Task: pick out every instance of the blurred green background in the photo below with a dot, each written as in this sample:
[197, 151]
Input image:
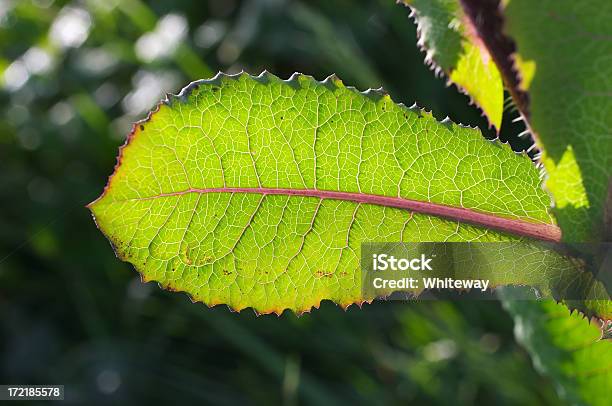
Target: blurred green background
[74, 75]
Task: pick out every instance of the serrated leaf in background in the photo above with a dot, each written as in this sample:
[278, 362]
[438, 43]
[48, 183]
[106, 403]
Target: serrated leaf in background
[452, 45]
[563, 53]
[566, 347]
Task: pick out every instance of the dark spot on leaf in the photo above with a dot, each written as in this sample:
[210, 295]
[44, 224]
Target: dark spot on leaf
[323, 274]
[141, 127]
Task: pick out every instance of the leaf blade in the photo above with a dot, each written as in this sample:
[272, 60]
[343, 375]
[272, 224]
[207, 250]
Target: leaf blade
[272, 252]
[563, 48]
[566, 347]
[452, 45]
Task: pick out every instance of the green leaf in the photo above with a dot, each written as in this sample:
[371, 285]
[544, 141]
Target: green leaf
[563, 56]
[258, 192]
[452, 44]
[566, 347]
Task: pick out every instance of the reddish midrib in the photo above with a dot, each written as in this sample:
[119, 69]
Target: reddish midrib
[541, 231]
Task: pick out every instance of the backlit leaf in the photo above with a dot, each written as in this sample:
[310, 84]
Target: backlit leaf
[566, 347]
[451, 44]
[258, 192]
[563, 55]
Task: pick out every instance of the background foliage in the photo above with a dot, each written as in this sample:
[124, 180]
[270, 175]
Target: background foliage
[74, 75]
